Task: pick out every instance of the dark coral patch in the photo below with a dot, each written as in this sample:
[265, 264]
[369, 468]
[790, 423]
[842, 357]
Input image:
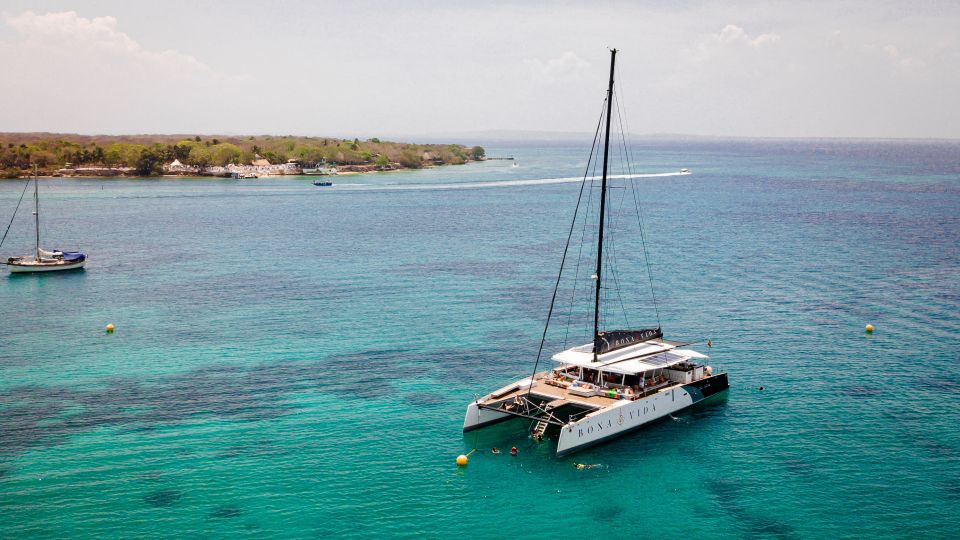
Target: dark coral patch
[163, 498]
[225, 511]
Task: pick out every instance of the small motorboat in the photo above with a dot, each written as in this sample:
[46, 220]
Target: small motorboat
[323, 183]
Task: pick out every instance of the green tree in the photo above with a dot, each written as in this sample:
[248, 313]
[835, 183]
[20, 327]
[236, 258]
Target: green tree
[224, 154]
[199, 156]
[181, 152]
[411, 158]
[149, 163]
[131, 153]
[478, 152]
[112, 155]
[43, 158]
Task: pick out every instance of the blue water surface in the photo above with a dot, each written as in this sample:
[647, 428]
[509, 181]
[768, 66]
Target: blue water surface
[294, 361]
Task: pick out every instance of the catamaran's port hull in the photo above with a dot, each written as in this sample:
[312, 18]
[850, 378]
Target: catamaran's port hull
[25, 268]
[626, 416]
[478, 417]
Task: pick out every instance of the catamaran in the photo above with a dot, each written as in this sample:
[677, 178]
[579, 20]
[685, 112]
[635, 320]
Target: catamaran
[44, 260]
[623, 379]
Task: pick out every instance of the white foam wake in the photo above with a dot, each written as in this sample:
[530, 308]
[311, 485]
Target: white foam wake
[503, 183]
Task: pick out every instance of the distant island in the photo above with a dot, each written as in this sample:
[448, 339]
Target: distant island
[57, 154]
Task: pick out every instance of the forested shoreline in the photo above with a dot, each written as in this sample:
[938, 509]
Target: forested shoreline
[146, 155]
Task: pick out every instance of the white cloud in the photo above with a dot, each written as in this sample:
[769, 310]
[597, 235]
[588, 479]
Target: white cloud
[68, 34]
[76, 73]
[721, 59]
[564, 67]
[733, 34]
[732, 40]
[886, 56]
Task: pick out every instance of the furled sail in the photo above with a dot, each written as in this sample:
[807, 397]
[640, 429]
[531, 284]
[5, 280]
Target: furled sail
[617, 339]
[67, 256]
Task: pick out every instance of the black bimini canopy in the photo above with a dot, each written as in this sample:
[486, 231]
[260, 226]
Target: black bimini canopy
[617, 339]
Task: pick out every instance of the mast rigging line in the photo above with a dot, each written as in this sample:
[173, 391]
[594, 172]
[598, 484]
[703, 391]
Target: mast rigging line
[36, 210]
[583, 231]
[22, 193]
[563, 260]
[624, 140]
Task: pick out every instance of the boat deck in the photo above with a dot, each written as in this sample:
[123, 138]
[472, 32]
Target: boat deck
[558, 396]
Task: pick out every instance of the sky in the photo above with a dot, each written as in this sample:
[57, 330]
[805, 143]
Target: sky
[883, 69]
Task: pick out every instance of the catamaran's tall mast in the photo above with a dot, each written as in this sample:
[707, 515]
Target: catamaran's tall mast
[36, 209]
[603, 201]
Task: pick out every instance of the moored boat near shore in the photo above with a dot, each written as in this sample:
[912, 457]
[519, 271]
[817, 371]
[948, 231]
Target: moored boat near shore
[319, 170]
[43, 260]
[47, 261]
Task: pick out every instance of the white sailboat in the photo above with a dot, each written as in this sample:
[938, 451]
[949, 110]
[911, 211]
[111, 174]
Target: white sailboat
[620, 381]
[43, 260]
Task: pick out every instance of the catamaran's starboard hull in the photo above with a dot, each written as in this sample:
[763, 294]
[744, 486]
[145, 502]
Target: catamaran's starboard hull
[626, 416]
[19, 268]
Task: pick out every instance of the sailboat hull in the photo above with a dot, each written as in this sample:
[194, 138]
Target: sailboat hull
[33, 266]
[627, 416]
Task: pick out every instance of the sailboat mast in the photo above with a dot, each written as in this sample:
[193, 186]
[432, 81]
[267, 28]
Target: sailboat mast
[36, 209]
[603, 201]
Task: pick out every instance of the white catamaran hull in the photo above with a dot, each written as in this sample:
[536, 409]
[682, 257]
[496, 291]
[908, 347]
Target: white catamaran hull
[477, 417]
[614, 420]
[626, 415]
[17, 268]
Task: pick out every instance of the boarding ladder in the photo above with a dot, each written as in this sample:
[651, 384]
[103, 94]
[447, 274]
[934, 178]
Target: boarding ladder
[540, 428]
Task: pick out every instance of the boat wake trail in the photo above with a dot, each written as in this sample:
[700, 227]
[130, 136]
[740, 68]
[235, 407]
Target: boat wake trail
[501, 183]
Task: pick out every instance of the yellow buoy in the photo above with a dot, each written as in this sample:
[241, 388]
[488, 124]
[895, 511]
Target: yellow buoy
[110, 328]
[869, 328]
[461, 460]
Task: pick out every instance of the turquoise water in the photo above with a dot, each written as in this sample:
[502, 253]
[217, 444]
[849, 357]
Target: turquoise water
[292, 361]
